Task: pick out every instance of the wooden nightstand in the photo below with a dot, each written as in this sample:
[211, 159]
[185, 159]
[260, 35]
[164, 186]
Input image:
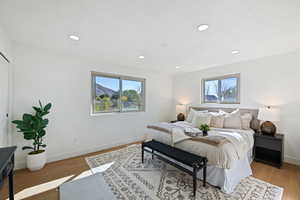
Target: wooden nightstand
[269, 149]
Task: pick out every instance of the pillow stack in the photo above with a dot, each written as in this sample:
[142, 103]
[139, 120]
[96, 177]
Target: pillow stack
[193, 113]
[217, 120]
[235, 120]
[221, 119]
[246, 121]
[201, 118]
[232, 120]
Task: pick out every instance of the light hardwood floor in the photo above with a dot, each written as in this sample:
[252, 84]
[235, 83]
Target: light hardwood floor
[288, 177]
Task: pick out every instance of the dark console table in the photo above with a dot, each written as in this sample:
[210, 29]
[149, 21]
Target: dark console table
[7, 167]
[194, 161]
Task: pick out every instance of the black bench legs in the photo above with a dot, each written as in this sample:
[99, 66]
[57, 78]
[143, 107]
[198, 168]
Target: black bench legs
[204, 172]
[143, 151]
[196, 168]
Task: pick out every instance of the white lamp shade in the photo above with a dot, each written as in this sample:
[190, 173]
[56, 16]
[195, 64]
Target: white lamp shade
[180, 109]
[269, 114]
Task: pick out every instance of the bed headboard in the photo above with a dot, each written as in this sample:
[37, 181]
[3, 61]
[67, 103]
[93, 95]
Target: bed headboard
[254, 122]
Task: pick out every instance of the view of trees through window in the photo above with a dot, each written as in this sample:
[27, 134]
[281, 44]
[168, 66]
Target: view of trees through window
[221, 90]
[132, 95]
[117, 94]
[211, 91]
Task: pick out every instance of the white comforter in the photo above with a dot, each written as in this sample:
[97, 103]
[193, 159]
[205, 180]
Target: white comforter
[223, 156]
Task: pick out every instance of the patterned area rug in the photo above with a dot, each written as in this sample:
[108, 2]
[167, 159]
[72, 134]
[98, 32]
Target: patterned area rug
[129, 179]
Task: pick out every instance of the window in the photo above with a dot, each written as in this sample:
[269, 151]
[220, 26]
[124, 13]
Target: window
[225, 89]
[113, 93]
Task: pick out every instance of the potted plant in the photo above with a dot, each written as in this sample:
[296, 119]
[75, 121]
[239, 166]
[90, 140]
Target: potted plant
[33, 128]
[204, 128]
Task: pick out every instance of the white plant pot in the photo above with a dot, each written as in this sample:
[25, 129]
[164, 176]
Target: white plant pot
[36, 161]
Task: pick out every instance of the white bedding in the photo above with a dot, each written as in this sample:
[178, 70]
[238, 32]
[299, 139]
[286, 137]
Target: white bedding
[226, 179]
[223, 156]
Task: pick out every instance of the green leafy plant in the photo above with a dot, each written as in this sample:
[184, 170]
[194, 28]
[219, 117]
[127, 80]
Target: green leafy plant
[204, 127]
[33, 127]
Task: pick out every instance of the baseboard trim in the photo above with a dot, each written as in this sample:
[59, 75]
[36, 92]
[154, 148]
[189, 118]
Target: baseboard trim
[80, 152]
[291, 160]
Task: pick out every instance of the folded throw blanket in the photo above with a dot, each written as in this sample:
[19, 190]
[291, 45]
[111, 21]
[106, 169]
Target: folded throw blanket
[177, 132]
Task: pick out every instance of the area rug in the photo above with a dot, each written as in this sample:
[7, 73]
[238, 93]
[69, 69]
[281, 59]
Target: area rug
[129, 179]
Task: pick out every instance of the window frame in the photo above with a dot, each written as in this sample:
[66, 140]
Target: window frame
[121, 78]
[219, 79]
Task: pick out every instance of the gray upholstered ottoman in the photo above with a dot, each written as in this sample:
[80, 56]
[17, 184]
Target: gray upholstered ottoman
[89, 188]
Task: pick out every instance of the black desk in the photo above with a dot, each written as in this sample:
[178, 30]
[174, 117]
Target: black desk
[7, 167]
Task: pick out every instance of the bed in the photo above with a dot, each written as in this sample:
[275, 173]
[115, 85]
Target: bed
[228, 162]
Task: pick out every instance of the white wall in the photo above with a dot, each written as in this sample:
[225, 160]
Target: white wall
[268, 81]
[4, 74]
[5, 44]
[5, 88]
[65, 82]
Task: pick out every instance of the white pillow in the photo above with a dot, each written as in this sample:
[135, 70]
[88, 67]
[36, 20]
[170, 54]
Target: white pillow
[192, 113]
[217, 120]
[232, 120]
[201, 118]
[246, 120]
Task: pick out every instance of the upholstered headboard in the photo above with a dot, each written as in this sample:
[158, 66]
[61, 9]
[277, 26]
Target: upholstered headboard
[254, 112]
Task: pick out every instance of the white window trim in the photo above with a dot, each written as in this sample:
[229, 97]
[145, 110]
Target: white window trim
[120, 77]
[238, 76]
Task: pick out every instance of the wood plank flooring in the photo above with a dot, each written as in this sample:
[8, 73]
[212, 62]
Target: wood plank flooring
[288, 177]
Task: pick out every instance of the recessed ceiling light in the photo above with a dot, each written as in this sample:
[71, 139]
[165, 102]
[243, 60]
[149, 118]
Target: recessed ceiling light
[141, 57]
[202, 27]
[235, 52]
[74, 37]
[177, 67]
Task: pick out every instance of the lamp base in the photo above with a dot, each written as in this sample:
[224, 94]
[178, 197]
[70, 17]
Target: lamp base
[268, 128]
[180, 117]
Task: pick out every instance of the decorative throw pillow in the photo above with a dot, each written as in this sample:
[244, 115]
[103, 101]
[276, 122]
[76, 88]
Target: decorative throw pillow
[201, 118]
[246, 120]
[190, 116]
[217, 120]
[192, 113]
[232, 120]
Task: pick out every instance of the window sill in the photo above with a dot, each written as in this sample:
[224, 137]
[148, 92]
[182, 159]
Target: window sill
[115, 113]
[220, 103]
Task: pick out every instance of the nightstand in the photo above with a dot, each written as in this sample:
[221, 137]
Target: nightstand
[269, 149]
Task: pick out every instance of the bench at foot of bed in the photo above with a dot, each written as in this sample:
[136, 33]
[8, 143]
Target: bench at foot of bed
[196, 162]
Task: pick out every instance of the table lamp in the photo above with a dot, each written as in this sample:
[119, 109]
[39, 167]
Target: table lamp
[180, 111]
[268, 115]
